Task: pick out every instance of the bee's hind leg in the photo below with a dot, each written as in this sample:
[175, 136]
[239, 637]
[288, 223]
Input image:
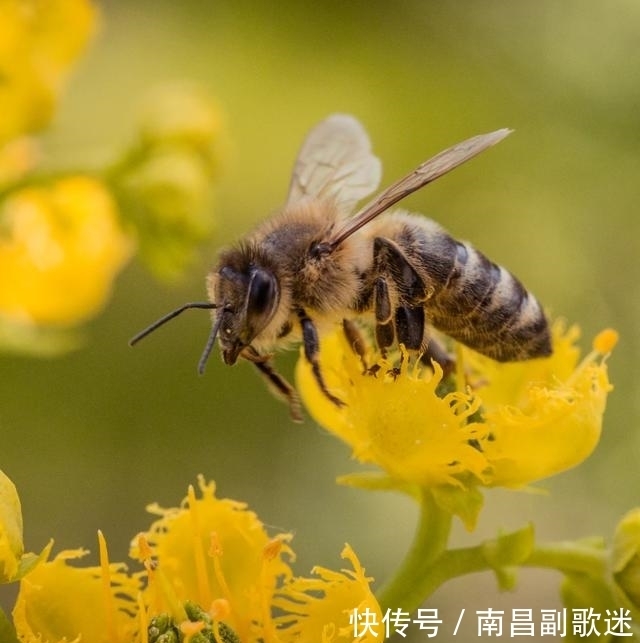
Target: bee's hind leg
[436, 352]
[311, 344]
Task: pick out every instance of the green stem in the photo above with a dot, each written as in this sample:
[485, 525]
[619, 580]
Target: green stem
[406, 590]
[569, 557]
[428, 564]
[562, 557]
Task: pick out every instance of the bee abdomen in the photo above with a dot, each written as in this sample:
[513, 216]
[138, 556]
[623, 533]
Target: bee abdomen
[485, 307]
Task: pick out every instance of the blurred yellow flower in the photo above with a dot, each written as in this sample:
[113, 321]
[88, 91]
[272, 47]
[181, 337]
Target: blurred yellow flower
[163, 182]
[39, 41]
[17, 157]
[61, 247]
[59, 602]
[175, 114]
[505, 424]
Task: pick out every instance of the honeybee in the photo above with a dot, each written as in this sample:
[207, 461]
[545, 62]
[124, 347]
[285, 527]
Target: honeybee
[312, 265]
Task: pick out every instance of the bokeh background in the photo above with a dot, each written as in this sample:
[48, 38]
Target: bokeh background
[90, 438]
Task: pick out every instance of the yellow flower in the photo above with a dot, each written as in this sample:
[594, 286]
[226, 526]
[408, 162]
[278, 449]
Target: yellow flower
[505, 424]
[211, 549]
[214, 555]
[325, 609]
[59, 602]
[210, 568]
[17, 157]
[60, 248]
[39, 41]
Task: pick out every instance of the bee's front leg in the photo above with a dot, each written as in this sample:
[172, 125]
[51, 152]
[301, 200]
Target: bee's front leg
[275, 381]
[311, 344]
[356, 341]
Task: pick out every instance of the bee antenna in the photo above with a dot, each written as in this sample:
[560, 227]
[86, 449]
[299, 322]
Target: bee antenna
[209, 345]
[168, 317]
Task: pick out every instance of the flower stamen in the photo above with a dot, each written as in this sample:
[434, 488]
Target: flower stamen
[605, 341]
[107, 595]
[143, 619]
[215, 552]
[204, 589]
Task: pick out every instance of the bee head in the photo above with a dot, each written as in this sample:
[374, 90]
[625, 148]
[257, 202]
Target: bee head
[247, 301]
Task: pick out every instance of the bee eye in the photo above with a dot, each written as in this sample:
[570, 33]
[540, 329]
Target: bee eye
[262, 300]
[263, 292]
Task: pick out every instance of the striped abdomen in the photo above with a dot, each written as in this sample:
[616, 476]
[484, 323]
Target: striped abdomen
[481, 304]
[474, 300]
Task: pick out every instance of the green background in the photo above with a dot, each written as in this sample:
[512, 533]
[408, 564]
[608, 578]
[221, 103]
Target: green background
[94, 436]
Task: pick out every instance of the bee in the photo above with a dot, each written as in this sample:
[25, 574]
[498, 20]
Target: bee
[313, 264]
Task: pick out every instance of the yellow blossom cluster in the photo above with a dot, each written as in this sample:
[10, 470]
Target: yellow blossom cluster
[39, 42]
[64, 238]
[210, 556]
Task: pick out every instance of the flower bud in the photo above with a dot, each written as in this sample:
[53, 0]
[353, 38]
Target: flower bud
[626, 556]
[180, 115]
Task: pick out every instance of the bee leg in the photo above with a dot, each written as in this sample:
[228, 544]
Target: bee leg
[280, 387]
[311, 349]
[356, 341]
[410, 331]
[436, 352]
[391, 263]
[410, 327]
[391, 260]
[385, 332]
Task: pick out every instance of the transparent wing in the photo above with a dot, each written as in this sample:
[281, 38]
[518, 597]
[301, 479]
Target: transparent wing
[426, 173]
[336, 162]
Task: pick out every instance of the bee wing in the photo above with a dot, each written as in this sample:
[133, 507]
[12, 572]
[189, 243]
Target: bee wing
[426, 173]
[336, 162]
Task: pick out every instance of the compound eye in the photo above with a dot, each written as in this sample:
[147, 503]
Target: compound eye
[262, 299]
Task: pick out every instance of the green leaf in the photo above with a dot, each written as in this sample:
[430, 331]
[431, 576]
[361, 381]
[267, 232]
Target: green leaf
[30, 560]
[374, 481]
[505, 553]
[510, 549]
[466, 503]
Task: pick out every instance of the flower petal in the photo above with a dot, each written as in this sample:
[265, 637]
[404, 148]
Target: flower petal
[60, 602]
[319, 609]
[396, 420]
[558, 422]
